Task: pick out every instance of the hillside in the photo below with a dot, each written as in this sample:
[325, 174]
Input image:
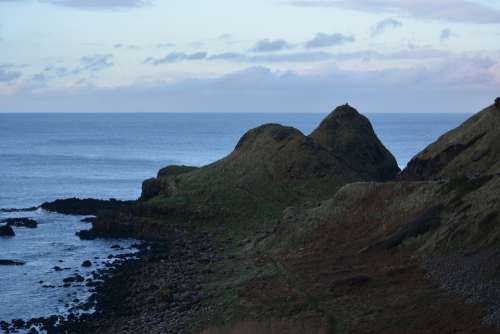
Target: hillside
[316, 234]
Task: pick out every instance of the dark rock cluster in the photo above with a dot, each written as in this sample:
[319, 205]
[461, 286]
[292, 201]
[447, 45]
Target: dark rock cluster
[85, 207]
[6, 231]
[20, 222]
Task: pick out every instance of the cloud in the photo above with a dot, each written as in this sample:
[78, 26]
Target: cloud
[224, 37]
[88, 64]
[462, 11]
[293, 57]
[385, 24]
[461, 84]
[301, 57]
[165, 45]
[99, 4]
[175, 57]
[445, 35]
[267, 45]
[8, 73]
[127, 46]
[95, 63]
[322, 40]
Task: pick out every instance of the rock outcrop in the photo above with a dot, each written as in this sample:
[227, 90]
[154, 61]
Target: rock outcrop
[21, 222]
[6, 231]
[84, 207]
[471, 149]
[11, 263]
[273, 166]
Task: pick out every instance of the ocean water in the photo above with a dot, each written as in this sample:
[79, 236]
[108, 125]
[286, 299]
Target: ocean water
[48, 156]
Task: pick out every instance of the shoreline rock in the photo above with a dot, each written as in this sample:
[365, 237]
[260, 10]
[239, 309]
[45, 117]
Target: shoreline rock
[21, 222]
[6, 231]
[84, 207]
[11, 263]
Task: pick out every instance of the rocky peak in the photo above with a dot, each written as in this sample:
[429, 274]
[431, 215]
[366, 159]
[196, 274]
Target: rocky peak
[350, 136]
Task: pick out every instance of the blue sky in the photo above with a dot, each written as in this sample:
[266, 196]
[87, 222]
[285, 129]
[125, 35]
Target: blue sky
[248, 56]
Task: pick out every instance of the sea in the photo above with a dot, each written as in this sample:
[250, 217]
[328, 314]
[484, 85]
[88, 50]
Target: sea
[44, 157]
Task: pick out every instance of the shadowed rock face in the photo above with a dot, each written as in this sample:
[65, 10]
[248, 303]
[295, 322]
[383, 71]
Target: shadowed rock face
[350, 136]
[275, 163]
[471, 149]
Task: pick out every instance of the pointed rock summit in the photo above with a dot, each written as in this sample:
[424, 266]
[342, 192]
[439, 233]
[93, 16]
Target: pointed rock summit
[350, 136]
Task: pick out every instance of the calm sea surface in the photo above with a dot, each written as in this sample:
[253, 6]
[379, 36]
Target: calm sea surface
[48, 156]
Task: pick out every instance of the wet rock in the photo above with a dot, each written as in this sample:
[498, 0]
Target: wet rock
[86, 235]
[6, 231]
[11, 263]
[88, 220]
[72, 279]
[21, 222]
[89, 206]
[86, 264]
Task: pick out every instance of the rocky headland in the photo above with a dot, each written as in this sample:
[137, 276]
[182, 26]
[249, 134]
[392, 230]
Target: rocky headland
[318, 233]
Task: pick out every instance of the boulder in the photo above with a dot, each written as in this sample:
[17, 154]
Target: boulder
[6, 231]
[21, 222]
[497, 102]
[86, 264]
[11, 263]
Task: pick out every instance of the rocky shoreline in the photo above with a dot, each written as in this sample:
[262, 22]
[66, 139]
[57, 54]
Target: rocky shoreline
[123, 301]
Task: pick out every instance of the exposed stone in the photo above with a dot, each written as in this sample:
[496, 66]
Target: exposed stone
[86, 263]
[6, 231]
[88, 206]
[11, 263]
[21, 222]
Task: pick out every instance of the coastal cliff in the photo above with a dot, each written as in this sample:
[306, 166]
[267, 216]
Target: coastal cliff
[322, 234]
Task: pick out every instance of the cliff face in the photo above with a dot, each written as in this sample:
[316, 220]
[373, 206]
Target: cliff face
[471, 149]
[273, 166]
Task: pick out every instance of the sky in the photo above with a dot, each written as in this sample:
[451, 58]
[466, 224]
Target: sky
[248, 56]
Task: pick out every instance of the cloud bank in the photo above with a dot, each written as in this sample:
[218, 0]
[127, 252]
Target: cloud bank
[461, 84]
[461, 11]
[99, 4]
[267, 45]
[385, 24]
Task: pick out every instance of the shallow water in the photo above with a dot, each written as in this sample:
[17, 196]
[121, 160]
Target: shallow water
[21, 293]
